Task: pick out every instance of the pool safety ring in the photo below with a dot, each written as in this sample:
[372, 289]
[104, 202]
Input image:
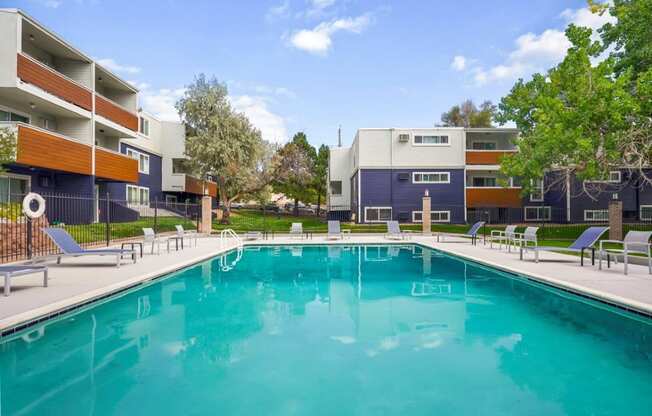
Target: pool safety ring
[27, 205]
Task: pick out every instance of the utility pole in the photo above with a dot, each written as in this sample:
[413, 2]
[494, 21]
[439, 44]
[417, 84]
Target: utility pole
[339, 136]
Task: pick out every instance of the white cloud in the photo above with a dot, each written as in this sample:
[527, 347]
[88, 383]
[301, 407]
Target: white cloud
[279, 11]
[459, 63]
[52, 4]
[112, 65]
[161, 102]
[319, 40]
[272, 126]
[262, 89]
[537, 52]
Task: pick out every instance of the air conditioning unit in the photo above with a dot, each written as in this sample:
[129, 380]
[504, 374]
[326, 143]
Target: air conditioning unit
[403, 137]
[403, 176]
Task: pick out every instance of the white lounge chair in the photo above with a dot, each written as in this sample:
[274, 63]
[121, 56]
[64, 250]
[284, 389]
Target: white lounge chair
[183, 234]
[507, 236]
[296, 230]
[12, 271]
[526, 240]
[335, 231]
[635, 242]
[150, 237]
[472, 233]
[394, 231]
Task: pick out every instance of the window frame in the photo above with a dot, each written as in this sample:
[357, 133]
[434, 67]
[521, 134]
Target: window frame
[539, 208]
[495, 185]
[447, 181]
[9, 176]
[140, 155]
[447, 212]
[593, 211]
[330, 187]
[379, 220]
[414, 140]
[540, 189]
[644, 218]
[620, 176]
[139, 192]
[143, 121]
[495, 144]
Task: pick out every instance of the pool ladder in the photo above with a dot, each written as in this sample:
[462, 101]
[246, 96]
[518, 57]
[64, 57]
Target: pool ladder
[229, 233]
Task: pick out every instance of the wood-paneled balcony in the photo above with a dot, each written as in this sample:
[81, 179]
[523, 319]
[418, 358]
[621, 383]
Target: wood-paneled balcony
[51, 81]
[197, 186]
[486, 157]
[39, 148]
[116, 113]
[115, 166]
[490, 197]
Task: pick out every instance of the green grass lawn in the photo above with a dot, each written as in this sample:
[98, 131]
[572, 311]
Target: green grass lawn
[91, 233]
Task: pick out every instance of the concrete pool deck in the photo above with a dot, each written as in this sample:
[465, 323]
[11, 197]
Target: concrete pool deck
[79, 280]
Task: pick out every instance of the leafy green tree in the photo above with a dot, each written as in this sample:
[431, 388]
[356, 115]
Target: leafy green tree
[321, 174]
[223, 143]
[576, 119]
[295, 171]
[7, 146]
[468, 115]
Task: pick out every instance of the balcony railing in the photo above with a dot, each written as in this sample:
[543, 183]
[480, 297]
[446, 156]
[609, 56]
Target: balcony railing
[484, 197]
[197, 186]
[40, 148]
[53, 82]
[486, 157]
[115, 112]
[115, 166]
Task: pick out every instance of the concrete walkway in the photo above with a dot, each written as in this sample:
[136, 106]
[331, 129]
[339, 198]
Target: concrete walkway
[79, 280]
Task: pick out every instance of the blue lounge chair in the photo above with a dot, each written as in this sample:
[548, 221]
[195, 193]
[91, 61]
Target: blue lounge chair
[70, 248]
[472, 233]
[586, 241]
[11, 271]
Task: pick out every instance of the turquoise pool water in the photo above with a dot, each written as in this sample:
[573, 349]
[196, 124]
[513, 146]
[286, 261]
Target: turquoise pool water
[357, 330]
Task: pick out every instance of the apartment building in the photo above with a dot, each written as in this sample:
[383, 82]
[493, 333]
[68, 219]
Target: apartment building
[77, 126]
[386, 172]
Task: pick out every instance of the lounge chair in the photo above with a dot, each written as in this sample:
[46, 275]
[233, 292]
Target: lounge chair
[296, 230]
[472, 233]
[335, 231]
[394, 231]
[253, 235]
[151, 237]
[183, 234]
[526, 240]
[634, 242]
[12, 271]
[70, 248]
[506, 236]
[585, 241]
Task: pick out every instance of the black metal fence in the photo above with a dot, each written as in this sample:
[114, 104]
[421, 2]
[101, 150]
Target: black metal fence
[90, 220]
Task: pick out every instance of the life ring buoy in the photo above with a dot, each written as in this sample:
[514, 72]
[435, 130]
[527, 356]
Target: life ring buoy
[27, 205]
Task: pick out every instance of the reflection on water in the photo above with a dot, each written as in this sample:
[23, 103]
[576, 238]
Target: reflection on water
[333, 330]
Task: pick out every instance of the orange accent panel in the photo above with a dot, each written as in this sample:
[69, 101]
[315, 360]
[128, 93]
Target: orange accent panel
[196, 186]
[40, 149]
[49, 80]
[110, 165]
[115, 113]
[212, 188]
[493, 197]
[485, 158]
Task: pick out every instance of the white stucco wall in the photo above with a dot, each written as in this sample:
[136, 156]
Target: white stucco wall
[9, 27]
[339, 169]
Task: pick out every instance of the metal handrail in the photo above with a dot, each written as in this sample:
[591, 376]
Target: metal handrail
[226, 233]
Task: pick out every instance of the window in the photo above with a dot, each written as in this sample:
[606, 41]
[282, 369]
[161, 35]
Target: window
[431, 177]
[142, 158]
[435, 216]
[484, 146]
[137, 195]
[180, 166]
[614, 176]
[537, 213]
[596, 215]
[11, 116]
[336, 187]
[144, 126]
[377, 214]
[431, 140]
[13, 188]
[646, 212]
[484, 181]
[536, 195]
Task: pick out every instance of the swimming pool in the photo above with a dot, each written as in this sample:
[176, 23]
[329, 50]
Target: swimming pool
[334, 330]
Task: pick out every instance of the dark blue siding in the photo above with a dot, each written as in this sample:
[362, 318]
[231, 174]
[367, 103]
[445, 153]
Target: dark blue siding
[382, 187]
[153, 180]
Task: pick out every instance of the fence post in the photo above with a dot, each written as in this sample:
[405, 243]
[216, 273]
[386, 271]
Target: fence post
[107, 221]
[156, 215]
[616, 220]
[29, 236]
[206, 215]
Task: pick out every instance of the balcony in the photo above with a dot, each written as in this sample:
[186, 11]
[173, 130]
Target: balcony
[115, 166]
[196, 186]
[486, 157]
[489, 197]
[49, 80]
[41, 148]
[115, 113]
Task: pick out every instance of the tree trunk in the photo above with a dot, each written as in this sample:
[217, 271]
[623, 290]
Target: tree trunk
[225, 200]
[296, 207]
[318, 203]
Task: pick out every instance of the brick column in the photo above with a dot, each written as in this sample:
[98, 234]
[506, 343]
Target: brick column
[615, 220]
[426, 229]
[206, 214]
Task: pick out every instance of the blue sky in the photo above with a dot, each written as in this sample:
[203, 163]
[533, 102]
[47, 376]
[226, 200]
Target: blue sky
[312, 65]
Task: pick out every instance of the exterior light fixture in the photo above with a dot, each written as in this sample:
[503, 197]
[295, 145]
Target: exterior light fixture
[32, 106]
